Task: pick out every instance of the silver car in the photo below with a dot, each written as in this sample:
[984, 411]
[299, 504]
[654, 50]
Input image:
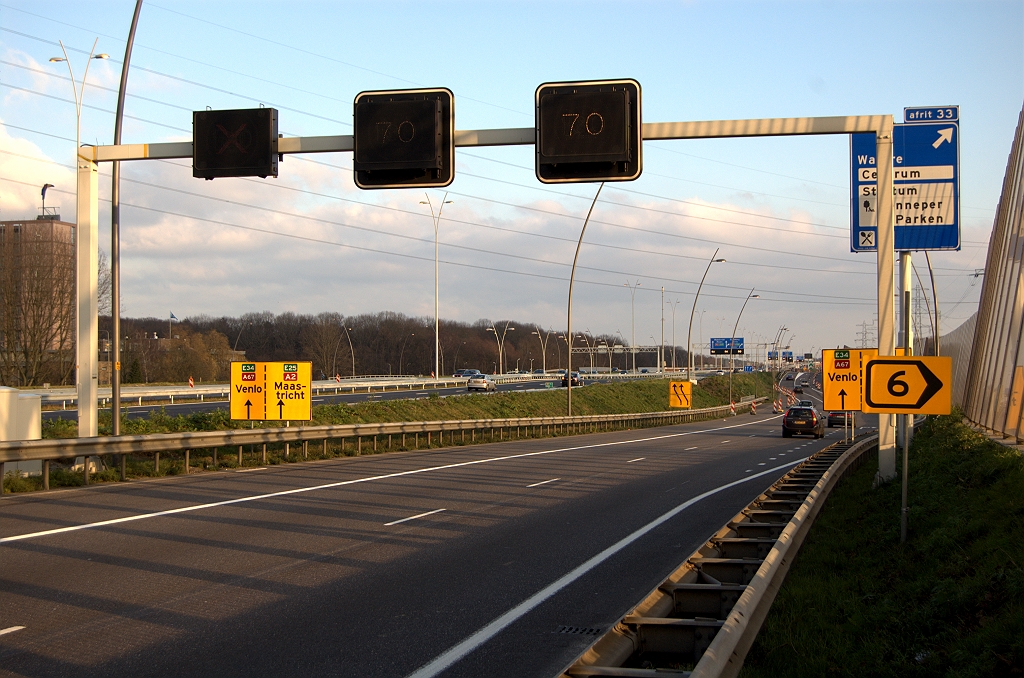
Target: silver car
[481, 382]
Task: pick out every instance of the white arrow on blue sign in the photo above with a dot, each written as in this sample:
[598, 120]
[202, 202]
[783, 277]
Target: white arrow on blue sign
[926, 183]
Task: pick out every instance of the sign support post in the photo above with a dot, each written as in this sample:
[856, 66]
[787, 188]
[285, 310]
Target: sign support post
[87, 307]
[885, 259]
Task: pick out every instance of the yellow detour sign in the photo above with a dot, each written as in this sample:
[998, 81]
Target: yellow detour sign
[842, 385]
[271, 391]
[680, 394]
[908, 385]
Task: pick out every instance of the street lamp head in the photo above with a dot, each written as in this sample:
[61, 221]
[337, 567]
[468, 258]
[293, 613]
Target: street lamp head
[55, 60]
[719, 261]
[102, 55]
[755, 296]
[448, 202]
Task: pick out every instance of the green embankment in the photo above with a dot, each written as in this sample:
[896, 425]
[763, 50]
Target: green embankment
[642, 395]
[950, 602]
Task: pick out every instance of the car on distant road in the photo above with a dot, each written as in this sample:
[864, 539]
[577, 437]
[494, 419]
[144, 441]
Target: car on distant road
[803, 420]
[720, 373]
[805, 403]
[798, 389]
[576, 379]
[481, 382]
[465, 373]
[538, 371]
[839, 418]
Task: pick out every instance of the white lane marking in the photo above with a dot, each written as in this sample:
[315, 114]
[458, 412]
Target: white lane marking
[724, 442]
[637, 459]
[544, 482]
[418, 515]
[771, 458]
[355, 481]
[782, 454]
[761, 464]
[454, 654]
[10, 629]
[689, 448]
[249, 470]
[748, 470]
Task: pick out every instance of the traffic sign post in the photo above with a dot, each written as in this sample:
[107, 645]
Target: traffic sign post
[680, 394]
[926, 183]
[908, 385]
[271, 391]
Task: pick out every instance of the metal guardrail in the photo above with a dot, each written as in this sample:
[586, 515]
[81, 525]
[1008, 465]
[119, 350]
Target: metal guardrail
[710, 610]
[64, 448]
[152, 395]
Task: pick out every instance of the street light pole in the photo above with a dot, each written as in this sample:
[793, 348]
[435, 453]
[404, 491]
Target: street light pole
[115, 246]
[661, 356]
[632, 301]
[689, 331]
[543, 347]
[86, 333]
[732, 348]
[501, 342]
[674, 304]
[437, 325]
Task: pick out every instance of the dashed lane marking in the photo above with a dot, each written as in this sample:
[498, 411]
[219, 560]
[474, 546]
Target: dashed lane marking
[419, 515]
[637, 459]
[544, 482]
[10, 629]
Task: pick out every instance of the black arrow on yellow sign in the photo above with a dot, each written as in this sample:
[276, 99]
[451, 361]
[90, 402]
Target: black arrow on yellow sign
[894, 392]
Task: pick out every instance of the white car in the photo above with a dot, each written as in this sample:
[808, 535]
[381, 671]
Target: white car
[481, 382]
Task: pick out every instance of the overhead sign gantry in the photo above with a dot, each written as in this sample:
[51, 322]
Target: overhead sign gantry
[558, 162]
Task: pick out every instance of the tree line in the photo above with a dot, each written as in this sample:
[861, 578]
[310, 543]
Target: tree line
[385, 343]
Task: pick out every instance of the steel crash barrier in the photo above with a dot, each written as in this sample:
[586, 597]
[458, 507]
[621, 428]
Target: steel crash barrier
[710, 609]
[351, 436]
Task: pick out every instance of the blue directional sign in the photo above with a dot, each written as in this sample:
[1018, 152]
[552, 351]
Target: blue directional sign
[721, 346]
[773, 355]
[748, 368]
[926, 183]
[787, 356]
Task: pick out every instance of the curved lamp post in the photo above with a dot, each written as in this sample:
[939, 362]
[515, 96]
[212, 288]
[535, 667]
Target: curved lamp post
[689, 331]
[572, 278]
[632, 321]
[437, 335]
[732, 341]
[501, 342]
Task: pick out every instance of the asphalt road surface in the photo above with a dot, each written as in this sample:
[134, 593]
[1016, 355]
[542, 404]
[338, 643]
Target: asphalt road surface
[191, 406]
[466, 561]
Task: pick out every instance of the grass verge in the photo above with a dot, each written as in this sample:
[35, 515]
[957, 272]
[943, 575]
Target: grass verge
[616, 398]
[949, 602]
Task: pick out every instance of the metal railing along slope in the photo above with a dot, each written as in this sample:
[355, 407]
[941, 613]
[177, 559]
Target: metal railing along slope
[708, 612]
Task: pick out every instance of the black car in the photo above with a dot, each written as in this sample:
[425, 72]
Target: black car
[576, 380]
[803, 420]
[798, 389]
[839, 418]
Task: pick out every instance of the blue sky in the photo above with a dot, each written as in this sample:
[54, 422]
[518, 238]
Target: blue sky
[778, 208]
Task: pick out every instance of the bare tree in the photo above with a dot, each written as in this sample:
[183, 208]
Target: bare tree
[321, 339]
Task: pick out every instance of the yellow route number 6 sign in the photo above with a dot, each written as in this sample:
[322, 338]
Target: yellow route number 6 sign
[908, 385]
